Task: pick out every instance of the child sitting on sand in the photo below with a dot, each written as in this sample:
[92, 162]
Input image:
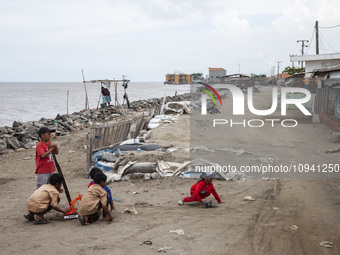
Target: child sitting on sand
[95, 171]
[44, 199]
[94, 199]
[201, 189]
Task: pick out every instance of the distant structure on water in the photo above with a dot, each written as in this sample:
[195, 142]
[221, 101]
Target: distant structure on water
[177, 77]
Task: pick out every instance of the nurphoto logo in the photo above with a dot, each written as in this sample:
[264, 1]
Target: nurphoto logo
[239, 102]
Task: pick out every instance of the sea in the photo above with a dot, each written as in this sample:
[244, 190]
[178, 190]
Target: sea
[31, 101]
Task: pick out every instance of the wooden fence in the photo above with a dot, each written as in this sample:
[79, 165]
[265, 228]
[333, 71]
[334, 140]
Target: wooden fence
[101, 137]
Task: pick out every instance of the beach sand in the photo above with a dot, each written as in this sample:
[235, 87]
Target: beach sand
[236, 226]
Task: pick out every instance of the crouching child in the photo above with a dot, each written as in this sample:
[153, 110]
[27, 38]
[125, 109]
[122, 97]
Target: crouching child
[201, 190]
[93, 201]
[92, 173]
[44, 199]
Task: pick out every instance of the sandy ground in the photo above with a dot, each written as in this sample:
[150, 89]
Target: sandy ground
[234, 227]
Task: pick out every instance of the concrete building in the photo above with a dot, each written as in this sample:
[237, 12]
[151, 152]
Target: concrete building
[315, 62]
[178, 77]
[215, 74]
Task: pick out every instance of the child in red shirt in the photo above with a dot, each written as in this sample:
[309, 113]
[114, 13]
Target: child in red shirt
[43, 157]
[201, 190]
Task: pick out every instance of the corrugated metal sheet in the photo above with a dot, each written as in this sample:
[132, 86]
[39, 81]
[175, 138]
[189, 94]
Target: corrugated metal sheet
[321, 100]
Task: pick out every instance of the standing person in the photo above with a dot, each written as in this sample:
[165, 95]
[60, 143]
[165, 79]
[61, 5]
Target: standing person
[201, 190]
[106, 96]
[43, 156]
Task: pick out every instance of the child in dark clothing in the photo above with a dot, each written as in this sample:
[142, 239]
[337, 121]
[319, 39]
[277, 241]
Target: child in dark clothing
[93, 172]
[201, 190]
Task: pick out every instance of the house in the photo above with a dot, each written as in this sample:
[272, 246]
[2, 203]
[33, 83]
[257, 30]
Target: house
[322, 79]
[215, 74]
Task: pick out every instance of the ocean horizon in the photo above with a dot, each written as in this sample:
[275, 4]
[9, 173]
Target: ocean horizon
[31, 101]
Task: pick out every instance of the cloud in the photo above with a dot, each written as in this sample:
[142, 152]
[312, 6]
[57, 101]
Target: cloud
[229, 23]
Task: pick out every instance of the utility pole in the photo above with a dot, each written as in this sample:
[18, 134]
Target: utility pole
[317, 36]
[278, 68]
[303, 46]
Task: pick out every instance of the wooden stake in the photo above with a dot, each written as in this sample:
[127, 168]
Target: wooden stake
[86, 98]
[67, 101]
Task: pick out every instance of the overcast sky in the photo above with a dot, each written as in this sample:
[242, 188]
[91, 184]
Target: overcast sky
[43, 40]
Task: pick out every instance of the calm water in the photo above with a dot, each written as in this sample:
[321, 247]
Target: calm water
[27, 101]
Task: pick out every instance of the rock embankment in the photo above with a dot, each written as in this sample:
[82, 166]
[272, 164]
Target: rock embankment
[23, 135]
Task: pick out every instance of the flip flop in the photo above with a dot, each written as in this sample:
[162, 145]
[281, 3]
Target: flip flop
[27, 217]
[42, 221]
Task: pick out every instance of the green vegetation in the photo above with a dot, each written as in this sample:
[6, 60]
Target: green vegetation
[293, 70]
[197, 76]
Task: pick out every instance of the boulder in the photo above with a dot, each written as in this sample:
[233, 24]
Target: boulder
[15, 124]
[3, 144]
[3, 130]
[30, 144]
[13, 143]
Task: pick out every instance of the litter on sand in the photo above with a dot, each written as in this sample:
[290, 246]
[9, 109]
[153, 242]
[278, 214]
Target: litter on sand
[248, 198]
[164, 249]
[179, 232]
[127, 210]
[294, 227]
[326, 244]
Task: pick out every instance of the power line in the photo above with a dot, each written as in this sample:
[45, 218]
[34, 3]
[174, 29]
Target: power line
[311, 39]
[331, 27]
[327, 42]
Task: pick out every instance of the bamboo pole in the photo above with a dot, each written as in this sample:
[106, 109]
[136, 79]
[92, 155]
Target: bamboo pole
[86, 98]
[67, 101]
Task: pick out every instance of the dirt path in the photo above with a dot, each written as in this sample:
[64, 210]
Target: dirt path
[234, 227]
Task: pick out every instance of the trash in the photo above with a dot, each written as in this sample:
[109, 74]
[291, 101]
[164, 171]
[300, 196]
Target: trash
[155, 175]
[111, 157]
[105, 166]
[275, 208]
[209, 204]
[146, 242]
[326, 244]
[139, 150]
[150, 147]
[205, 166]
[248, 198]
[142, 167]
[266, 159]
[28, 158]
[165, 168]
[294, 227]
[153, 123]
[234, 176]
[116, 199]
[127, 210]
[164, 249]
[71, 151]
[336, 149]
[134, 193]
[179, 232]
[177, 107]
